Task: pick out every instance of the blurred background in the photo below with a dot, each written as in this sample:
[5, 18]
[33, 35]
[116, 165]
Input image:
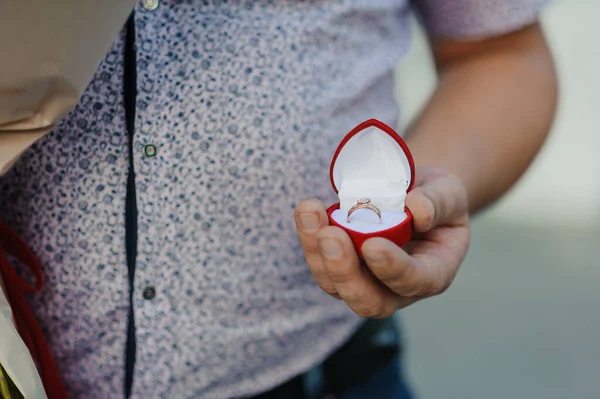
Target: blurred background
[522, 319]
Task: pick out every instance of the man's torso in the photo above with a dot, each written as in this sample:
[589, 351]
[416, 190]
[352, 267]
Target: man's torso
[244, 103]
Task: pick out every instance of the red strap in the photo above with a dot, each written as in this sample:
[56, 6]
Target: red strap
[26, 323]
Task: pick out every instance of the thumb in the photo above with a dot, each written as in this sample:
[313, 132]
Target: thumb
[440, 198]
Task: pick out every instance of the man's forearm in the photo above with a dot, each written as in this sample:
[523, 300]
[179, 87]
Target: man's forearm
[491, 112]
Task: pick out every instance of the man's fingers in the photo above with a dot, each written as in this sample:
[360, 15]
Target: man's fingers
[416, 277]
[353, 282]
[439, 199]
[311, 217]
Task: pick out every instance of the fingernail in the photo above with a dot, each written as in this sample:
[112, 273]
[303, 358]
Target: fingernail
[309, 222]
[375, 258]
[330, 247]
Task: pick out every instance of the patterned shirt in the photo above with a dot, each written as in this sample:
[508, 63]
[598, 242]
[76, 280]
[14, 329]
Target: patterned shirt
[239, 107]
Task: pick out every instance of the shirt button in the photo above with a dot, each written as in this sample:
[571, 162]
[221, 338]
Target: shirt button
[150, 150]
[150, 5]
[149, 293]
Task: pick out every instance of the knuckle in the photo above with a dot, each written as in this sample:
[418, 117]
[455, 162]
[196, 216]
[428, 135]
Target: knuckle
[427, 290]
[335, 295]
[318, 273]
[324, 282]
[329, 289]
[430, 288]
[375, 310]
[312, 254]
[439, 288]
[438, 284]
[426, 285]
[413, 292]
[330, 232]
[352, 296]
[313, 260]
[417, 290]
[393, 277]
[341, 276]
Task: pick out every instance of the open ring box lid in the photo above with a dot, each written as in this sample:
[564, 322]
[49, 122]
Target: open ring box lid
[372, 162]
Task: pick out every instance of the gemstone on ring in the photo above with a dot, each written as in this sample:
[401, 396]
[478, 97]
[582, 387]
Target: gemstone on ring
[364, 203]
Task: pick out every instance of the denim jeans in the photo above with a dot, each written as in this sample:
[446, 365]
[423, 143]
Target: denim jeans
[388, 383]
[368, 366]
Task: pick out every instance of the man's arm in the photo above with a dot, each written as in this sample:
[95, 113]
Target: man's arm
[488, 118]
[491, 112]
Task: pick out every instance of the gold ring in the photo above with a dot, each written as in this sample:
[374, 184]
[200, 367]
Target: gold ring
[363, 203]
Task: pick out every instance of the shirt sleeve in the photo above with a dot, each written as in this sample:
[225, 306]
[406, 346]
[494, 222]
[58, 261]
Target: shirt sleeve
[476, 18]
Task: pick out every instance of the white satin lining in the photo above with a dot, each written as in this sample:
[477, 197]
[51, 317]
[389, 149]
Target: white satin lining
[371, 165]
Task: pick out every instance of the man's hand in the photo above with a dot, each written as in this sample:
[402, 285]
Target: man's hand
[391, 277]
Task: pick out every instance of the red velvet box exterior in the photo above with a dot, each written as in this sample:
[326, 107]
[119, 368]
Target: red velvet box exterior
[399, 234]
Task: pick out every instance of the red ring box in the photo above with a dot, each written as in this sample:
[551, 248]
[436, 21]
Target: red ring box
[373, 162]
